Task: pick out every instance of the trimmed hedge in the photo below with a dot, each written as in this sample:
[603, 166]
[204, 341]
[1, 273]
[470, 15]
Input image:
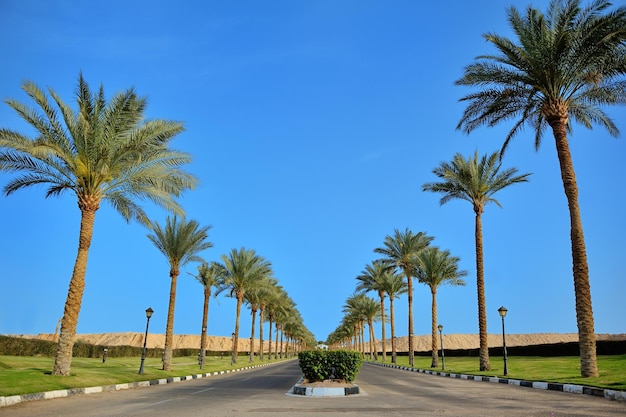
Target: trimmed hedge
[19, 346]
[319, 365]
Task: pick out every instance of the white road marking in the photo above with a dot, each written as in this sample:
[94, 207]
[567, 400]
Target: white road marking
[204, 390]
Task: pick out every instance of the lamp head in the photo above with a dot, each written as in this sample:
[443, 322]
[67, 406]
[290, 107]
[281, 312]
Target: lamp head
[149, 312]
[440, 327]
[502, 310]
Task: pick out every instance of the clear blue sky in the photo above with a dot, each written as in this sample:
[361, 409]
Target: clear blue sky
[313, 126]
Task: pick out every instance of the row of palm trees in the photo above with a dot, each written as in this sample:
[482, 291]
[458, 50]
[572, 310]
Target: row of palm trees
[406, 255]
[563, 66]
[242, 274]
[109, 151]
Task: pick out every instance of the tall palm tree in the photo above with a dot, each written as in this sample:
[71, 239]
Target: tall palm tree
[565, 65]
[180, 241]
[207, 276]
[375, 277]
[267, 294]
[276, 303]
[255, 298]
[475, 179]
[437, 268]
[394, 286]
[401, 251]
[102, 152]
[240, 271]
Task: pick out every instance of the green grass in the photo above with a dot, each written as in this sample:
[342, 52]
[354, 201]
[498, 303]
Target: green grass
[29, 374]
[564, 369]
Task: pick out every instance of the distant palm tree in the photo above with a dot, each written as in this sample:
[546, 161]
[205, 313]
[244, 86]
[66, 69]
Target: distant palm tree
[476, 180]
[240, 271]
[180, 241]
[401, 251]
[375, 277]
[255, 298]
[394, 286]
[564, 66]
[103, 152]
[437, 268]
[267, 294]
[207, 276]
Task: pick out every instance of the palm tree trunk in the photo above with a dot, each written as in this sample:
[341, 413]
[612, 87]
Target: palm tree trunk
[252, 335]
[63, 358]
[276, 343]
[236, 337]
[261, 333]
[582, 288]
[169, 328]
[410, 297]
[205, 320]
[480, 287]
[271, 317]
[433, 327]
[373, 349]
[382, 319]
[393, 330]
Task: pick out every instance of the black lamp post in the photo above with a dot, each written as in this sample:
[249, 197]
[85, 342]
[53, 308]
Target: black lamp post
[443, 358]
[232, 359]
[202, 347]
[149, 312]
[502, 310]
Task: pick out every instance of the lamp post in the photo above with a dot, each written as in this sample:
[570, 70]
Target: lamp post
[443, 358]
[149, 312]
[202, 347]
[502, 310]
[232, 358]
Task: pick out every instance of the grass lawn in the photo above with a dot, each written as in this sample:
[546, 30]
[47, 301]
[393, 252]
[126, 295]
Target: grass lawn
[30, 374]
[562, 369]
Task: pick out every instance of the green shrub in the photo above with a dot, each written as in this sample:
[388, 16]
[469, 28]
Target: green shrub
[319, 365]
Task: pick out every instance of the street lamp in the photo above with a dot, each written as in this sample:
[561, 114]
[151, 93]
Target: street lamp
[149, 312]
[202, 347]
[232, 359]
[502, 310]
[443, 358]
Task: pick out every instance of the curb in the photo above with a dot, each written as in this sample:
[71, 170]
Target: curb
[62, 393]
[325, 392]
[550, 386]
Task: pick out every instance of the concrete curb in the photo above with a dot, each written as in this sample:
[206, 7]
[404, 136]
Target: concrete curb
[325, 392]
[62, 393]
[550, 386]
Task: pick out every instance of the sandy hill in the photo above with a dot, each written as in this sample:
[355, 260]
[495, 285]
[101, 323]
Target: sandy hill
[422, 343]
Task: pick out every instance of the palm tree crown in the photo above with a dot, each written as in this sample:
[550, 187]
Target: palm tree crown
[103, 151]
[563, 66]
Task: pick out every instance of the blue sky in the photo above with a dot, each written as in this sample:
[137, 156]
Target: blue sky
[313, 126]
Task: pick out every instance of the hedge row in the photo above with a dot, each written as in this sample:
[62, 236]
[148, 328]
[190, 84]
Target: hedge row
[19, 346]
[319, 365]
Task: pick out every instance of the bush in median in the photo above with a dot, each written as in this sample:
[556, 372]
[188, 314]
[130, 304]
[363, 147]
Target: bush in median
[319, 365]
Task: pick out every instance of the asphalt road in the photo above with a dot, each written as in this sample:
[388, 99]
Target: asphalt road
[263, 392]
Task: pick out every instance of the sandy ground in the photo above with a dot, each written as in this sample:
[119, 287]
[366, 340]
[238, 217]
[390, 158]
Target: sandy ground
[422, 343]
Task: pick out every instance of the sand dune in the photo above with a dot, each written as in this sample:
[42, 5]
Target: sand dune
[422, 343]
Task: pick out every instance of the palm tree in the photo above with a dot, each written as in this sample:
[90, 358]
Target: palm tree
[438, 268]
[102, 152]
[240, 271]
[207, 276]
[267, 294]
[476, 180]
[375, 277]
[394, 286]
[564, 66]
[255, 298]
[179, 241]
[401, 251]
